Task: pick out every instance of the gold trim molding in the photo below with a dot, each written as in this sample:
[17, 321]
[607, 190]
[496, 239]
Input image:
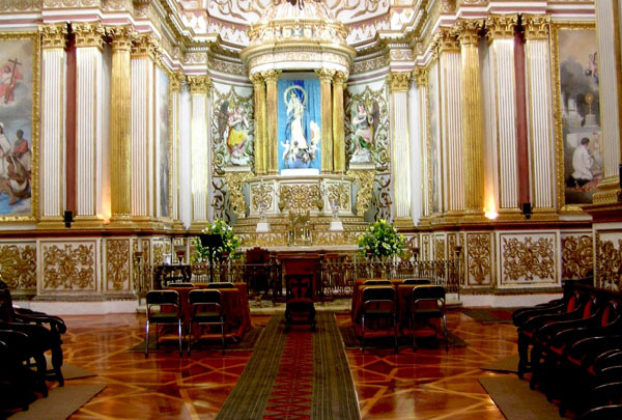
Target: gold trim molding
[399, 82]
[88, 35]
[199, 85]
[500, 26]
[53, 36]
[536, 27]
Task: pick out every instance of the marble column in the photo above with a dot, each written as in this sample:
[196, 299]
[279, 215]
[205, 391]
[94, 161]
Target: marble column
[399, 83]
[176, 81]
[260, 123]
[472, 121]
[199, 91]
[539, 115]
[52, 172]
[326, 78]
[272, 137]
[120, 122]
[500, 33]
[610, 78]
[420, 75]
[451, 134]
[92, 90]
[339, 143]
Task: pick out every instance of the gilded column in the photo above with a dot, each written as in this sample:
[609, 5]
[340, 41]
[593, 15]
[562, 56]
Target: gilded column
[199, 90]
[420, 75]
[451, 134]
[472, 121]
[609, 69]
[539, 116]
[176, 82]
[399, 83]
[120, 113]
[92, 198]
[52, 117]
[326, 77]
[500, 32]
[260, 124]
[272, 136]
[339, 143]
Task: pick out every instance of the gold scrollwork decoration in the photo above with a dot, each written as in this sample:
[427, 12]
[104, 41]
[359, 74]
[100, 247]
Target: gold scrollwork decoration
[18, 266]
[365, 182]
[529, 260]
[69, 267]
[235, 181]
[300, 198]
[577, 256]
[478, 257]
[262, 196]
[609, 264]
[117, 263]
[340, 194]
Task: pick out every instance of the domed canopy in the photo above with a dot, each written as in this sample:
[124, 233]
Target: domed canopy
[307, 10]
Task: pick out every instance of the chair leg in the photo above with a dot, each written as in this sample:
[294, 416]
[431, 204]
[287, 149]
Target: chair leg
[57, 362]
[147, 339]
[181, 351]
[445, 332]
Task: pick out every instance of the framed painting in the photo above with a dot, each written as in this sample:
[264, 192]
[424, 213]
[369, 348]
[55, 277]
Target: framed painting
[577, 113]
[19, 129]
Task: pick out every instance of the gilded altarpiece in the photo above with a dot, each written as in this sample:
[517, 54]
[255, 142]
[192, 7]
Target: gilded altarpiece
[577, 254]
[18, 266]
[369, 142]
[609, 260]
[117, 265]
[68, 267]
[528, 259]
[479, 259]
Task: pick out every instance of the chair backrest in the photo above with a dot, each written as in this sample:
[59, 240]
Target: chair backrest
[257, 256]
[181, 284]
[299, 286]
[429, 293]
[163, 298]
[377, 283]
[221, 285]
[417, 281]
[379, 298]
[205, 300]
[6, 305]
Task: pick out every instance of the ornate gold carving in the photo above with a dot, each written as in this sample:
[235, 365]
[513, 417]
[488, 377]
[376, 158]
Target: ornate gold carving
[88, 34]
[399, 82]
[439, 248]
[370, 64]
[270, 75]
[528, 260]
[117, 263]
[117, 5]
[70, 267]
[577, 256]
[536, 26]
[479, 249]
[53, 36]
[18, 266]
[421, 76]
[609, 264]
[7, 6]
[159, 249]
[365, 182]
[340, 194]
[325, 74]
[446, 40]
[122, 37]
[235, 181]
[177, 80]
[468, 31]
[146, 45]
[501, 26]
[262, 196]
[199, 85]
[300, 198]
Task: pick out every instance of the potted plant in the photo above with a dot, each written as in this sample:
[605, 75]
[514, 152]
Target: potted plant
[226, 248]
[381, 240]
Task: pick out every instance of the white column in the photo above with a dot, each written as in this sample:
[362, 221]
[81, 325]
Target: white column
[539, 114]
[199, 88]
[401, 147]
[175, 83]
[185, 158]
[501, 35]
[52, 170]
[421, 187]
[414, 127]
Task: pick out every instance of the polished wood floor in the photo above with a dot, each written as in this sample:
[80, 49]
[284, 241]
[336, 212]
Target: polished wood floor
[428, 384]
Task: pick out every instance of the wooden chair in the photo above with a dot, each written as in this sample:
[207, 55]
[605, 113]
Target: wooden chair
[417, 282]
[377, 282]
[299, 308]
[428, 302]
[378, 304]
[163, 307]
[207, 310]
[257, 272]
[221, 285]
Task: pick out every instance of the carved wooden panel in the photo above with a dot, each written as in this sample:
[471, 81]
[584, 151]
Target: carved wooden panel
[609, 260]
[117, 269]
[479, 259]
[577, 255]
[69, 266]
[528, 259]
[18, 265]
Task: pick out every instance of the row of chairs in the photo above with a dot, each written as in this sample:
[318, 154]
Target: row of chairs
[380, 303]
[573, 349]
[164, 308]
[25, 336]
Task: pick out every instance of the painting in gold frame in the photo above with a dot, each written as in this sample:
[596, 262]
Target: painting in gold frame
[577, 113]
[19, 118]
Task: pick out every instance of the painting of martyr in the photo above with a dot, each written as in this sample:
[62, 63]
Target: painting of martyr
[16, 93]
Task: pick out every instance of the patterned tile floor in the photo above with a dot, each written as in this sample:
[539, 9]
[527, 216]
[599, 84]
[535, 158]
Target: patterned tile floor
[428, 384]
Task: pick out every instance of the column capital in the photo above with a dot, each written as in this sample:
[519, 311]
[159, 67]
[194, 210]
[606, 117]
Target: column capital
[88, 34]
[256, 79]
[325, 75]
[420, 74]
[536, 26]
[199, 84]
[340, 77]
[399, 82]
[53, 36]
[271, 75]
[146, 45]
[177, 79]
[122, 37]
[468, 31]
[501, 26]
[446, 41]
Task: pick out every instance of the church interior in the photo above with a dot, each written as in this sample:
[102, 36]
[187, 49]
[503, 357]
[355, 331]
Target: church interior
[284, 183]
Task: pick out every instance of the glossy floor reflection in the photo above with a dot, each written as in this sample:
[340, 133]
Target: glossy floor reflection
[428, 384]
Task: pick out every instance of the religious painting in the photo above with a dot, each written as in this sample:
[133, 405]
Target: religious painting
[235, 129]
[163, 144]
[364, 118]
[434, 145]
[19, 74]
[578, 130]
[299, 124]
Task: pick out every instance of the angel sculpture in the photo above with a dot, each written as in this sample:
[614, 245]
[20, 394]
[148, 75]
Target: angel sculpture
[364, 123]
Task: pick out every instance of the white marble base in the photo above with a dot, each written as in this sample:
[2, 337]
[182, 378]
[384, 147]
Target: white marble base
[507, 301]
[263, 227]
[80, 308]
[336, 225]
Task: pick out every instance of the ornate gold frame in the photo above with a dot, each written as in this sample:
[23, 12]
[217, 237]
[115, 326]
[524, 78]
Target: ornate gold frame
[557, 111]
[35, 121]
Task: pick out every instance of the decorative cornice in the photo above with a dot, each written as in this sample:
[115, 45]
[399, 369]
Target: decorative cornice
[501, 26]
[88, 34]
[536, 27]
[399, 82]
[199, 85]
[325, 75]
[122, 37]
[53, 36]
[468, 31]
[420, 75]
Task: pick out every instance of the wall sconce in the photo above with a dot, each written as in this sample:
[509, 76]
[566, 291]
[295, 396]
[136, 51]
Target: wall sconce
[526, 210]
[68, 218]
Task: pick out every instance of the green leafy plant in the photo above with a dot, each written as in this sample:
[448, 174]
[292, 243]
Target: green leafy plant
[381, 239]
[230, 242]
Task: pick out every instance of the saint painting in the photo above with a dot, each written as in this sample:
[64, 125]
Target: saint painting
[364, 122]
[234, 128]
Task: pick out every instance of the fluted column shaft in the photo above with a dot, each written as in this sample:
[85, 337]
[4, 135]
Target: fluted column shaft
[176, 82]
[326, 77]
[260, 124]
[399, 83]
[339, 143]
[540, 119]
[120, 112]
[272, 135]
[199, 90]
[472, 121]
[52, 118]
[421, 78]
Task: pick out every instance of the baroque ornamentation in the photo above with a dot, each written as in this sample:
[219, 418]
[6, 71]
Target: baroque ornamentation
[122, 37]
[528, 260]
[159, 249]
[467, 31]
[609, 264]
[536, 26]
[53, 36]
[18, 266]
[365, 181]
[199, 85]
[399, 82]
[7, 6]
[340, 194]
[369, 64]
[446, 40]
[577, 256]
[479, 249]
[300, 198]
[235, 181]
[69, 267]
[439, 248]
[262, 196]
[145, 45]
[117, 263]
[88, 34]
[421, 76]
[501, 26]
